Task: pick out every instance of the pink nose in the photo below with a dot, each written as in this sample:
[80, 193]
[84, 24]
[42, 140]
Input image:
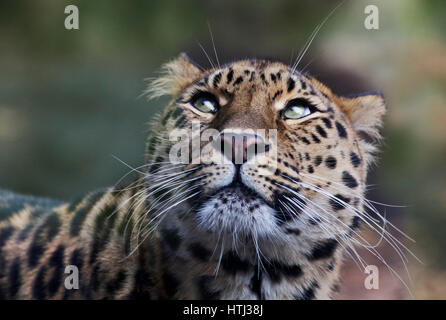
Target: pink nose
[240, 147]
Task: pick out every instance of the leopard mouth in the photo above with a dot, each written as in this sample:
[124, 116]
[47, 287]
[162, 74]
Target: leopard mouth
[236, 208]
[242, 192]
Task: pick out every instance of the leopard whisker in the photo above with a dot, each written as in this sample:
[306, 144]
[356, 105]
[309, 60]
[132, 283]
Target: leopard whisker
[142, 200]
[315, 204]
[388, 237]
[366, 201]
[171, 176]
[374, 210]
[155, 226]
[146, 233]
[126, 164]
[213, 44]
[217, 268]
[170, 166]
[313, 35]
[165, 206]
[207, 56]
[330, 233]
[361, 215]
[121, 205]
[390, 241]
[348, 242]
[178, 184]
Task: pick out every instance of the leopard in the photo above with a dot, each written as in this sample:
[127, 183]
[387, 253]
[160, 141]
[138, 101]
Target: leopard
[226, 224]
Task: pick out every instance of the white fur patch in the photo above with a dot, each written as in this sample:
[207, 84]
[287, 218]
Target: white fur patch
[230, 211]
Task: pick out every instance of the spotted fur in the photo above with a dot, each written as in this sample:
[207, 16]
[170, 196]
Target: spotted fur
[209, 230]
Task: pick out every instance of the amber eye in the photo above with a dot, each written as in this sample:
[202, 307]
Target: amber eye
[296, 109]
[205, 102]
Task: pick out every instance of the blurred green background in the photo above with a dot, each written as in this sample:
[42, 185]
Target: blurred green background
[71, 99]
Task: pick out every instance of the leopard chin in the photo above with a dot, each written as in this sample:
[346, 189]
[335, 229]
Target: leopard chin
[236, 210]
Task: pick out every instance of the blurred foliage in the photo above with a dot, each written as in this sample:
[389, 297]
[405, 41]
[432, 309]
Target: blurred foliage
[70, 99]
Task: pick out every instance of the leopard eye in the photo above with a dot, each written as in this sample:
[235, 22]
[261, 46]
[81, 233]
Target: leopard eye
[205, 102]
[296, 109]
[296, 112]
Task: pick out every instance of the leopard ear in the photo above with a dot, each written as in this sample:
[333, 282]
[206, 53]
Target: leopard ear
[176, 75]
[366, 112]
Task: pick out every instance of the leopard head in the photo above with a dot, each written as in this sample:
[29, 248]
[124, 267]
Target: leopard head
[273, 157]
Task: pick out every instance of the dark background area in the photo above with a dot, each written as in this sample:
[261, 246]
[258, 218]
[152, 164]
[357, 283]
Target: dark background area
[69, 99]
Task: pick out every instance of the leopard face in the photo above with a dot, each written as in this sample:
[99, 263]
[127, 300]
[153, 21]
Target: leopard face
[303, 192]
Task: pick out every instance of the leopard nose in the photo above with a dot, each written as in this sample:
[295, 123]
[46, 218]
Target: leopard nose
[241, 147]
